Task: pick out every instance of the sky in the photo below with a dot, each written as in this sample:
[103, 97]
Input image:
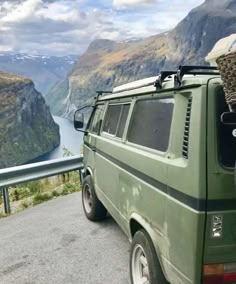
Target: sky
[62, 27]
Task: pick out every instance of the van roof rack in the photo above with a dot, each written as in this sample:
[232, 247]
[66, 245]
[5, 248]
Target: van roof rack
[146, 82]
[158, 80]
[194, 70]
[101, 93]
[163, 75]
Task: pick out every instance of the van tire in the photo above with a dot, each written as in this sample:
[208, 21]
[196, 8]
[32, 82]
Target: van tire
[93, 208]
[142, 247]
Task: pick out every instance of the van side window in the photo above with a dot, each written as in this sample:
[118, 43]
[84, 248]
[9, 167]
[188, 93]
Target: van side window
[112, 119]
[151, 123]
[115, 119]
[123, 119]
[97, 119]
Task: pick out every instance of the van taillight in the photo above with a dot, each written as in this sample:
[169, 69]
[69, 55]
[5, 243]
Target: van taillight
[220, 273]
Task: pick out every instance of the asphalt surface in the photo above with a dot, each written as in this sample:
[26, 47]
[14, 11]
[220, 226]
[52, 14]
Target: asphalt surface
[55, 243]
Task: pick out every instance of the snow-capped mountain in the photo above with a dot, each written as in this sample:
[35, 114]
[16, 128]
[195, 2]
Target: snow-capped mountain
[44, 70]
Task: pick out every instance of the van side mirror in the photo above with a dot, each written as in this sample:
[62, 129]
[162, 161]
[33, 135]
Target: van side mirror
[78, 120]
[228, 118]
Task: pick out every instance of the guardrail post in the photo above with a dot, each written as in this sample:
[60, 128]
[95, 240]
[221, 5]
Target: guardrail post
[6, 200]
[81, 177]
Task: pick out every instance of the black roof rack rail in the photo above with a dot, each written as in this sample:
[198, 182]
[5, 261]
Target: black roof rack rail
[163, 75]
[100, 93]
[194, 70]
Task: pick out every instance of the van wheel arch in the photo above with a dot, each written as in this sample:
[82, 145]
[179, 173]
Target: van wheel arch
[134, 227]
[142, 247]
[137, 223]
[88, 172]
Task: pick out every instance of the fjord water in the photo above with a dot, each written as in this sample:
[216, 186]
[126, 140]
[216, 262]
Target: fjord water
[71, 139]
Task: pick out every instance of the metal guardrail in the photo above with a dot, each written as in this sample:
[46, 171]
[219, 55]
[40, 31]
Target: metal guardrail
[25, 173]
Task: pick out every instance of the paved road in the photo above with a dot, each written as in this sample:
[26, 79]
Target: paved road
[55, 243]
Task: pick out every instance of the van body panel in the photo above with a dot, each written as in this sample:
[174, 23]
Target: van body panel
[167, 217]
[188, 177]
[125, 169]
[222, 249]
[221, 201]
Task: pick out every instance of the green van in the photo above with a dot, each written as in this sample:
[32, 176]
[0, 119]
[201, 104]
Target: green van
[160, 159]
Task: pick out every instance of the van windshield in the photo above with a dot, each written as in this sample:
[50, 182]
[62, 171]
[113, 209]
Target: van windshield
[226, 139]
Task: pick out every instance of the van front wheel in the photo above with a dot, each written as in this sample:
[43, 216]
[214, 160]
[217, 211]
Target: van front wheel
[93, 208]
[144, 264]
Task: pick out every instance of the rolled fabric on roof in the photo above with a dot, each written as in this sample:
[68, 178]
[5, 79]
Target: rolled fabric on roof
[227, 67]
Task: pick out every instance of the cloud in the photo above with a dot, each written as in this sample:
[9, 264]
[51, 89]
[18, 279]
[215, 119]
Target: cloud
[68, 26]
[122, 4]
[16, 13]
[59, 27]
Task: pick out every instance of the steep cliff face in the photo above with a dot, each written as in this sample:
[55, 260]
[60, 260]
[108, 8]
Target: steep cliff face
[196, 35]
[27, 129]
[106, 63]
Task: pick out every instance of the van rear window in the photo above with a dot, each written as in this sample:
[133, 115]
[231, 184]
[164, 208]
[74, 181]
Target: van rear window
[151, 123]
[226, 140]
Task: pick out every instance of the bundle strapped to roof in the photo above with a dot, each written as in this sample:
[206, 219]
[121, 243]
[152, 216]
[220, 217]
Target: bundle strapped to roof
[223, 55]
[227, 67]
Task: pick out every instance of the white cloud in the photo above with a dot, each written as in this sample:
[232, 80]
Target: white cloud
[17, 12]
[5, 48]
[121, 4]
[68, 26]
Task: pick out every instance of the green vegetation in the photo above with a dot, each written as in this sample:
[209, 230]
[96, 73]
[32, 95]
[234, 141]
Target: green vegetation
[68, 188]
[41, 197]
[35, 192]
[26, 190]
[55, 193]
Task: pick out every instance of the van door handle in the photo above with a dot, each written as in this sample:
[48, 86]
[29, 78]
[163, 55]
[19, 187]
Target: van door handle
[93, 148]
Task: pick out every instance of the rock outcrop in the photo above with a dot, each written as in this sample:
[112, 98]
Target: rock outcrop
[106, 63]
[27, 129]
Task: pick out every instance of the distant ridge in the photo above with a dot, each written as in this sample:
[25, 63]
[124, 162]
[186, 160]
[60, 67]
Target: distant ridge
[107, 63]
[44, 70]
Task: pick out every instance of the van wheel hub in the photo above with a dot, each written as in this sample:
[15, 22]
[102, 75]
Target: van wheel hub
[140, 269]
[88, 199]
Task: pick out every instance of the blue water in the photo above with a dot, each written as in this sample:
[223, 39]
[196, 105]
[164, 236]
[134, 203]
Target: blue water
[71, 139]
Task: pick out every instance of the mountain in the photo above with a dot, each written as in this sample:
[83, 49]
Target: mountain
[27, 129]
[107, 63]
[45, 71]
